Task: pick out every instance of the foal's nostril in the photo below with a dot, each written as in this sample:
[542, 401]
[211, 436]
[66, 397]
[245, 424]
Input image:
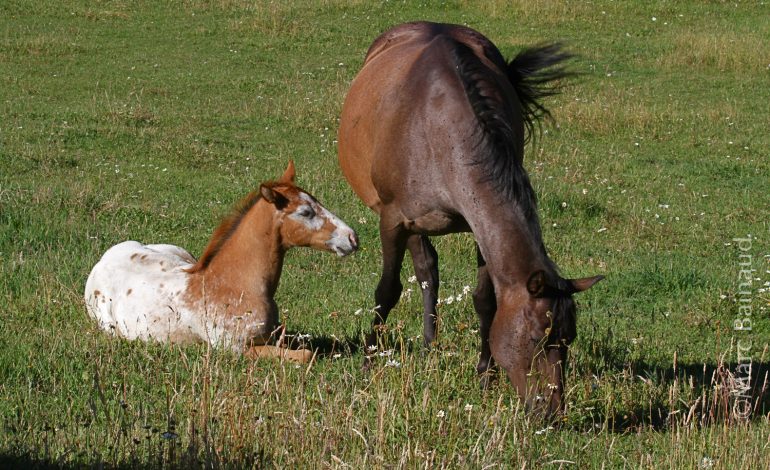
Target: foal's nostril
[353, 240]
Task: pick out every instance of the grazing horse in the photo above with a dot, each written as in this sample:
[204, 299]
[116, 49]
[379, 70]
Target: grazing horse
[160, 292]
[432, 139]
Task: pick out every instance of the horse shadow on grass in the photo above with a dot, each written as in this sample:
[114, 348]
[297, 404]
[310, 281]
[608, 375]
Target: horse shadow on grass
[695, 394]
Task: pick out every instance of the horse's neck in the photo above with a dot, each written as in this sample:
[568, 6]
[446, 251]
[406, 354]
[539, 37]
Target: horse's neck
[248, 266]
[511, 245]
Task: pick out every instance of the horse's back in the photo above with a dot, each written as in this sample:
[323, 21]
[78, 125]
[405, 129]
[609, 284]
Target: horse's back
[136, 290]
[407, 126]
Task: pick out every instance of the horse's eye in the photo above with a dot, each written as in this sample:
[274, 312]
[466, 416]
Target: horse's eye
[306, 211]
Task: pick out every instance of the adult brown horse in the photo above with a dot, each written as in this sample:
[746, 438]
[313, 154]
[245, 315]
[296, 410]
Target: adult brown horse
[432, 139]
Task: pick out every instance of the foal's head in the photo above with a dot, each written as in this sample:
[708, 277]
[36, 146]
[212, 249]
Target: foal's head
[304, 221]
[530, 337]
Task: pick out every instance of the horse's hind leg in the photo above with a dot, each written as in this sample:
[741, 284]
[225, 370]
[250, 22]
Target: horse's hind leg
[485, 304]
[425, 261]
[388, 291]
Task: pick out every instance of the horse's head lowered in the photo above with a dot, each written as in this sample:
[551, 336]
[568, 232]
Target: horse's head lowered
[304, 221]
[530, 335]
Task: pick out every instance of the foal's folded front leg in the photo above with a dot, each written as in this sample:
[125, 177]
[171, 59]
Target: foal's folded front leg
[301, 356]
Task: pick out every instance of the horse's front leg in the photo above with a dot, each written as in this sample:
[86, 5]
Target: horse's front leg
[425, 260]
[393, 237]
[486, 305]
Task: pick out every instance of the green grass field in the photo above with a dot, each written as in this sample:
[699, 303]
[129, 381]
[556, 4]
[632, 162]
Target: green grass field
[148, 120]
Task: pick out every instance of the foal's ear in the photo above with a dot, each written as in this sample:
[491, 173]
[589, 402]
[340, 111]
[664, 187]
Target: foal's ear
[536, 284]
[273, 197]
[288, 174]
[579, 285]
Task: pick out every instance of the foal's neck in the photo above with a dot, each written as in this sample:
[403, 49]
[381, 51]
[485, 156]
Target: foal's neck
[248, 266]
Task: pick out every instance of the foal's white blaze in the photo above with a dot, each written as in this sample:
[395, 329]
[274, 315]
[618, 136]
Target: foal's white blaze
[343, 240]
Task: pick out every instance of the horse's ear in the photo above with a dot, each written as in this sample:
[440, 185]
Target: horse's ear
[536, 284]
[273, 197]
[288, 174]
[579, 285]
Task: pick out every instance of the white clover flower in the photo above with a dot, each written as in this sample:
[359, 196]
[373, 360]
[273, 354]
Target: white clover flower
[449, 299]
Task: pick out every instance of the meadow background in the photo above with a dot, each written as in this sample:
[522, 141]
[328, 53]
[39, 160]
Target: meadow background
[148, 120]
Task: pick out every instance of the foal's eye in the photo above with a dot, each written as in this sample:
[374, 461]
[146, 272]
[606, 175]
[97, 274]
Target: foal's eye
[306, 211]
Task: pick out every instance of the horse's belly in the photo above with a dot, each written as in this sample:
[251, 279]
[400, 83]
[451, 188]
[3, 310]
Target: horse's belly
[436, 222]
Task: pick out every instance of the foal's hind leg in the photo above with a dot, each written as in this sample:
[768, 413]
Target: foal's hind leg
[425, 261]
[485, 304]
[393, 238]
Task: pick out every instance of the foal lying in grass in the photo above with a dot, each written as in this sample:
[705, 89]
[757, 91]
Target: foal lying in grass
[161, 293]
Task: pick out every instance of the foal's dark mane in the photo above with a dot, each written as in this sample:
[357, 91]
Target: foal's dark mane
[226, 228]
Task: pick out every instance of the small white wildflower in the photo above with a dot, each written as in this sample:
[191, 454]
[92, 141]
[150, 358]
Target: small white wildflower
[371, 348]
[424, 284]
[466, 290]
[564, 204]
[585, 191]
[386, 353]
[706, 462]
[336, 356]
[440, 414]
[449, 299]
[544, 430]
[358, 312]
[362, 221]
[392, 363]
[603, 229]
[468, 407]
[412, 279]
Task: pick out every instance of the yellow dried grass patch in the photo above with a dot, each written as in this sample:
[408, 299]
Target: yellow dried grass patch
[723, 51]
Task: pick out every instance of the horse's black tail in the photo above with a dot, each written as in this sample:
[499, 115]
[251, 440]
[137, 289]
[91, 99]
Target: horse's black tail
[534, 74]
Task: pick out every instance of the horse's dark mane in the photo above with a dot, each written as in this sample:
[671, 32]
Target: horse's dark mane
[531, 73]
[499, 154]
[225, 230]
